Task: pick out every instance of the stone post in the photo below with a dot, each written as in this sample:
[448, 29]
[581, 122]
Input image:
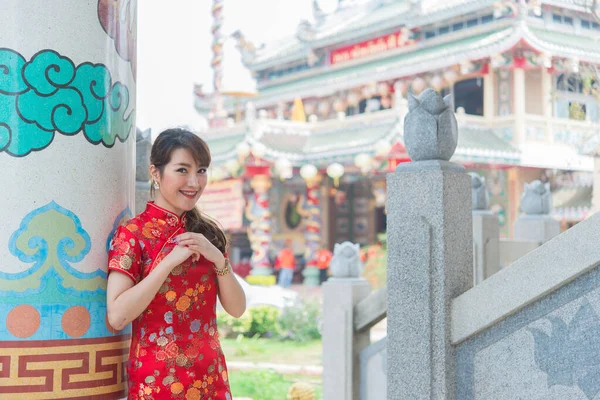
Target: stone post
[536, 224]
[341, 345]
[486, 233]
[67, 146]
[312, 231]
[430, 253]
[259, 232]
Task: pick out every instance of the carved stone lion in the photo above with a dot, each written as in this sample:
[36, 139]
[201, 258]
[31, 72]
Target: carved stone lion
[346, 261]
[537, 198]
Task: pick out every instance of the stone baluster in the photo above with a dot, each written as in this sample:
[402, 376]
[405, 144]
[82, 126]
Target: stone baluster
[486, 233]
[430, 253]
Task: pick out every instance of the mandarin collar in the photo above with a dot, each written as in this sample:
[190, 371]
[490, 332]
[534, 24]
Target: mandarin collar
[171, 218]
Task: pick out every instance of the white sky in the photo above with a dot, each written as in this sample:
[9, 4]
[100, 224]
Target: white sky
[174, 49]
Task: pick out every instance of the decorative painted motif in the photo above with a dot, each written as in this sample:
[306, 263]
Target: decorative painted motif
[119, 20]
[217, 45]
[568, 355]
[259, 231]
[120, 220]
[504, 93]
[310, 209]
[506, 133]
[570, 137]
[535, 133]
[59, 318]
[82, 368]
[49, 94]
[51, 251]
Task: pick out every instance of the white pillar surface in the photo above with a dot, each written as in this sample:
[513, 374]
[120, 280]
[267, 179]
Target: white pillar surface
[519, 105]
[67, 143]
[489, 95]
[546, 97]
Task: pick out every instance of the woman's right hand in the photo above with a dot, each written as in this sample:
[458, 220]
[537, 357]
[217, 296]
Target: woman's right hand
[179, 254]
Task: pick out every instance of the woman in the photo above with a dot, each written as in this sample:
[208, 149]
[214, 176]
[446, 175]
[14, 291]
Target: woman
[166, 267]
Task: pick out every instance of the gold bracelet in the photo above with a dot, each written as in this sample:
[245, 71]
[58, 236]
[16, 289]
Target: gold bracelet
[224, 271]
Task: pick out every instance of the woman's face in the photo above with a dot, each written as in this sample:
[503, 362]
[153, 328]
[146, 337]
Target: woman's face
[181, 184]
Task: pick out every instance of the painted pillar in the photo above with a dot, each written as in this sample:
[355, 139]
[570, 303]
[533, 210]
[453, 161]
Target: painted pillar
[217, 60]
[312, 232]
[489, 94]
[67, 142]
[259, 232]
[519, 105]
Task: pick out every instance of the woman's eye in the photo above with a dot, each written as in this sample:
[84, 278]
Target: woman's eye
[202, 171]
[182, 170]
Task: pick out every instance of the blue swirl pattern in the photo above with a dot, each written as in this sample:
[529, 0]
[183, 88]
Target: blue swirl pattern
[49, 94]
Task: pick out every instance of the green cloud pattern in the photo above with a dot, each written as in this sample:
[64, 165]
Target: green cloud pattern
[49, 94]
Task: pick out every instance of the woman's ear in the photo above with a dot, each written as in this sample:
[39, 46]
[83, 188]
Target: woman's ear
[154, 173]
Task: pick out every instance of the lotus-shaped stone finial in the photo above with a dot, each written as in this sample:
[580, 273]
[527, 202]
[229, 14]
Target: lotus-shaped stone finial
[430, 128]
[479, 192]
[536, 198]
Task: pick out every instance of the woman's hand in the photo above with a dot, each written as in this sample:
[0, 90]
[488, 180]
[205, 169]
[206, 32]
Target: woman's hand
[181, 253]
[201, 245]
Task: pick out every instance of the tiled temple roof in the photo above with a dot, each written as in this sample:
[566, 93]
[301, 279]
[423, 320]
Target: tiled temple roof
[324, 142]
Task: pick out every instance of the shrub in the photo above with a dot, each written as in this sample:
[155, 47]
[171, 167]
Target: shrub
[301, 322]
[265, 321]
[231, 327]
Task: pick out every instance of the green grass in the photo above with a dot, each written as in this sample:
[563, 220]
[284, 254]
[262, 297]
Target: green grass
[272, 351]
[268, 385]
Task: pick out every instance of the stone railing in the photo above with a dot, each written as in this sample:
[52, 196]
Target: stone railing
[533, 325]
[530, 330]
[353, 368]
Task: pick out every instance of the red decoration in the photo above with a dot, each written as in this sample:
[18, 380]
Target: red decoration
[369, 48]
[397, 155]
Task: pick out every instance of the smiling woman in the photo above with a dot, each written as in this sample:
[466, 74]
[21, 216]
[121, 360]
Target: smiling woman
[166, 268]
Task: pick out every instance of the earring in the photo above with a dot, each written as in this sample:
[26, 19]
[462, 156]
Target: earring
[155, 185]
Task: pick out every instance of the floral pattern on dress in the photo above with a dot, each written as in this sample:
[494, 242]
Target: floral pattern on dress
[175, 350]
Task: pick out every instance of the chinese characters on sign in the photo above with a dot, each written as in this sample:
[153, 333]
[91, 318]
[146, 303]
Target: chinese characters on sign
[371, 47]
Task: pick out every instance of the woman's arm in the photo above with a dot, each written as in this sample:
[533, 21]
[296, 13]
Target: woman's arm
[126, 301]
[231, 294]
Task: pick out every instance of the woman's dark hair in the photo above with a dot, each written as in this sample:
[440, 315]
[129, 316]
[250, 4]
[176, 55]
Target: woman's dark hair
[165, 144]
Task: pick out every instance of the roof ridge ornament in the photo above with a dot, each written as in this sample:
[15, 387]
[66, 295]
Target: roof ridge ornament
[317, 12]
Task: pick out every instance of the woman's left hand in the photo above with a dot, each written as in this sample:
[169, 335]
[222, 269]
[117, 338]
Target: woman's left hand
[198, 242]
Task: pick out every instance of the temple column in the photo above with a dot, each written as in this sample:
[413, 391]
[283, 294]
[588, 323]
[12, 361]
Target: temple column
[67, 145]
[489, 95]
[519, 105]
[547, 103]
[312, 230]
[259, 232]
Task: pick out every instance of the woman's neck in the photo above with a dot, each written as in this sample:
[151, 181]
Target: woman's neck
[162, 203]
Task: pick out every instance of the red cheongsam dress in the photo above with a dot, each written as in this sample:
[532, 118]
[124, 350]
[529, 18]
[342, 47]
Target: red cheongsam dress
[175, 350]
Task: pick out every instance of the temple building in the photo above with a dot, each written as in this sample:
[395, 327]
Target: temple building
[312, 146]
